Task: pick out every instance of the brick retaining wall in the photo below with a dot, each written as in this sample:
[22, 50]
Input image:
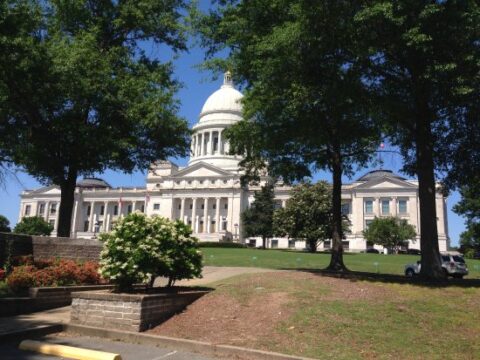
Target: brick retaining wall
[46, 247]
[130, 312]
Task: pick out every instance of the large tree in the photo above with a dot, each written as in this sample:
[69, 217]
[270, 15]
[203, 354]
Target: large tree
[390, 232]
[424, 65]
[305, 103]
[307, 214]
[79, 94]
[257, 220]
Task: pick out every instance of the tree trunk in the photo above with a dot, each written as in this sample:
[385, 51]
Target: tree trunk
[264, 242]
[336, 260]
[431, 264]
[67, 198]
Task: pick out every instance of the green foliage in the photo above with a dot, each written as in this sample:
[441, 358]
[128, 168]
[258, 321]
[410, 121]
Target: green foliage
[305, 101]
[90, 97]
[33, 225]
[307, 215]
[257, 220]
[141, 248]
[4, 224]
[469, 207]
[220, 244]
[422, 63]
[390, 232]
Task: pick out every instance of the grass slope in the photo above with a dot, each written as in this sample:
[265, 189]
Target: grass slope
[287, 259]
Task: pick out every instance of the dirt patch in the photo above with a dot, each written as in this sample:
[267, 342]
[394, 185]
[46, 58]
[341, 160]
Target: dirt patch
[240, 312]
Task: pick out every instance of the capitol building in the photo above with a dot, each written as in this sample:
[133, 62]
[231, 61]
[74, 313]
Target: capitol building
[207, 193]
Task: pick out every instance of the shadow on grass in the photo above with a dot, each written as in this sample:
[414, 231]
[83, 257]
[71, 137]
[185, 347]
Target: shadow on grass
[392, 279]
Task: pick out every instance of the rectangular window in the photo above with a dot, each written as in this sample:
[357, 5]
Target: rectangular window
[27, 209]
[214, 206]
[345, 208]
[203, 206]
[179, 206]
[368, 206]
[385, 207]
[41, 210]
[115, 210]
[156, 206]
[102, 210]
[89, 210]
[402, 206]
[226, 206]
[327, 244]
[277, 205]
[129, 209]
[53, 208]
[191, 206]
[86, 225]
[224, 225]
[367, 223]
[346, 244]
[52, 222]
[143, 209]
[291, 244]
[252, 242]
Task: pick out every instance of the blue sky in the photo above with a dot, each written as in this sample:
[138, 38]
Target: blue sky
[197, 87]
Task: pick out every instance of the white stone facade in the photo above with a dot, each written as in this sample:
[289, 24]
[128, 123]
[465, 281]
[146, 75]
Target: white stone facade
[207, 194]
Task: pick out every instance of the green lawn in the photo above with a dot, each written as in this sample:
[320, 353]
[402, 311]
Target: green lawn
[286, 259]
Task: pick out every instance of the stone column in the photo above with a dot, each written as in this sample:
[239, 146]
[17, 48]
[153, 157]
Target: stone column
[105, 214]
[107, 223]
[73, 230]
[47, 211]
[217, 216]
[205, 216]
[90, 221]
[182, 209]
[194, 215]
[211, 143]
[394, 207]
[284, 203]
[192, 146]
[220, 142]
[134, 204]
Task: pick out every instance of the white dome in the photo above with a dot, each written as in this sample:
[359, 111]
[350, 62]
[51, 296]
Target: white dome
[226, 99]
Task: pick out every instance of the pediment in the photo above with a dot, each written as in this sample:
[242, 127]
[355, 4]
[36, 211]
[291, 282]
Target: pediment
[52, 189]
[386, 182]
[201, 169]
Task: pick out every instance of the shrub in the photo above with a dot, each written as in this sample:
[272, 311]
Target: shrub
[2, 274]
[33, 225]
[469, 253]
[141, 248]
[220, 244]
[21, 278]
[53, 273]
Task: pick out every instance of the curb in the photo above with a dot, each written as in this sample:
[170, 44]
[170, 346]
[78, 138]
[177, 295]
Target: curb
[223, 351]
[36, 331]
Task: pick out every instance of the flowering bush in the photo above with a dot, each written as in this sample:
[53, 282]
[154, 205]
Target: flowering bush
[53, 273]
[2, 274]
[141, 248]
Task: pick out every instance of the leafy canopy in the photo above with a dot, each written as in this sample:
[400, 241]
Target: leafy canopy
[390, 232]
[257, 220]
[307, 214]
[33, 225]
[4, 224]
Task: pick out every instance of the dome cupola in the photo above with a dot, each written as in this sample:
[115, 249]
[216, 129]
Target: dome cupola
[222, 109]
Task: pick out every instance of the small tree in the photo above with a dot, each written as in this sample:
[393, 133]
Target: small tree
[307, 215]
[33, 225]
[140, 248]
[4, 224]
[258, 218]
[469, 207]
[390, 232]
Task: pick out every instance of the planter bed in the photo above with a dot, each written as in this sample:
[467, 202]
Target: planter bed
[131, 312]
[43, 298]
